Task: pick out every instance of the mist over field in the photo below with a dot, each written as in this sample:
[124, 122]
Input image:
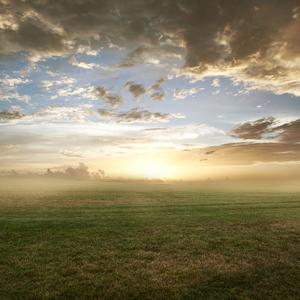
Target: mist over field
[46, 185]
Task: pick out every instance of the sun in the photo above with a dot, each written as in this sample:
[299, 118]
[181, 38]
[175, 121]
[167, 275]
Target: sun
[155, 170]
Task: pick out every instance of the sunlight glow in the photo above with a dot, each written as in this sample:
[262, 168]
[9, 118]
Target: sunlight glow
[155, 170]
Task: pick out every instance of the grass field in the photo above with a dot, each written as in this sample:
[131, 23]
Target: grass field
[112, 241]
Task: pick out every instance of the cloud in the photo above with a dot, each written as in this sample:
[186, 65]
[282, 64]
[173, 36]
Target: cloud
[249, 153]
[9, 89]
[114, 100]
[180, 94]
[10, 115]
[157, 84]
[157, 93]
[13, 82]
[157, 96]
[54, 114]
[215, 83]
[136, 89]
[80, 172]
[136, 115]
[87, 50]
[216, 38]
[85, 92]
[288, 132]
[50, 114]
[47, 85]
[71, 153]
[253, 130]
[27, 30]
[187, 132]
[152, 54]
[83, 65]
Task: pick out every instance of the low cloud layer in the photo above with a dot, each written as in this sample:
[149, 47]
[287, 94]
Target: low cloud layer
[10, 115]
[80, 172]
[248, 153]
[50, 114]
[288, 132]
[136, 115]
[253, 130]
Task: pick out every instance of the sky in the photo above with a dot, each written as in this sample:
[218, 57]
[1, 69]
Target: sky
[168, 89]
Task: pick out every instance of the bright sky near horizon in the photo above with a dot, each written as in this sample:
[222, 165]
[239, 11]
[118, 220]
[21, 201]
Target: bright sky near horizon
[151, 89]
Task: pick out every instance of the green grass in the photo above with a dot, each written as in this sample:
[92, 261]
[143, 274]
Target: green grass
[149, 242]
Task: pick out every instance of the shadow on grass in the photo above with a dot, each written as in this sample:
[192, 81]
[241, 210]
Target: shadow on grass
[270, 282]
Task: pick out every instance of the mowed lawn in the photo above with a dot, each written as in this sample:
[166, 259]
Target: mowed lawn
[153, 242]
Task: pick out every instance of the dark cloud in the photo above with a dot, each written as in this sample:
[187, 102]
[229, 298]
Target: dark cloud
[156, 129]
[36, 38]
[250, 153]
[151, 54]
[288, 132]
[80, 172]
[114, 100]
[253, 130]
[157, 84]
[231, 38]
[157, 91]
[136, 89]
[10, 115]
[157, 96]
[210, 152]
[136, 115]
